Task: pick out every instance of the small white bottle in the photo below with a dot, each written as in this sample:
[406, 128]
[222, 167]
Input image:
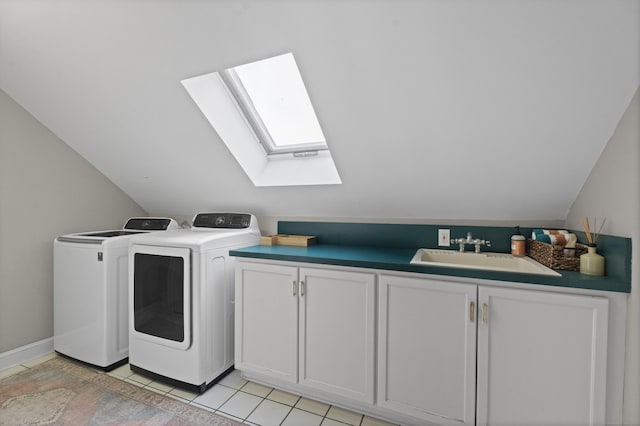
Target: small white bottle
[591, 263]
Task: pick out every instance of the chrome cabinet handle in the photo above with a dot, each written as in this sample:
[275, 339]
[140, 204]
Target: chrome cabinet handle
[293, 290]
[472, 312]
[301, 288]
[485, 308]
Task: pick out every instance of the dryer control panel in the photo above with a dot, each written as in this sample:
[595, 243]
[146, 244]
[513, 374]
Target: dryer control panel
[222, 220]
[151, 223]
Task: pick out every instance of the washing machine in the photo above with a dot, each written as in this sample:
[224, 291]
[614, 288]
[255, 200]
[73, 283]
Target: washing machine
[181, 295]
[90, 292]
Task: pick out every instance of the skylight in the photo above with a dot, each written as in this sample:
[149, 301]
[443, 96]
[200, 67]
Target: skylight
[272, 95]
[263, 114]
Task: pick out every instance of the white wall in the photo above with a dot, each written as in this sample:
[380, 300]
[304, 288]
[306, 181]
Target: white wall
[46, 189]
[613, 191]
[483, 109]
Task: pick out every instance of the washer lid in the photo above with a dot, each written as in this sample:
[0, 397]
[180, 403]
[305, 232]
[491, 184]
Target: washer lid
[135, 225]
[109, 234]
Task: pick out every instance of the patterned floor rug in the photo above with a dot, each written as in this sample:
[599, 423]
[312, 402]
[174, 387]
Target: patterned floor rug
[62, 392]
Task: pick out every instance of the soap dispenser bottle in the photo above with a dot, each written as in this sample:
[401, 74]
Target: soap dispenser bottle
[518, 244]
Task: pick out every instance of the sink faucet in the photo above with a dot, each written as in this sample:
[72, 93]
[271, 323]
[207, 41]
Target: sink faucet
[470, 240]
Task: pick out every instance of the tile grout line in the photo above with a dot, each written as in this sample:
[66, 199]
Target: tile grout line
[287, 405]
[256, 407]
[216, 410]
[288, 413]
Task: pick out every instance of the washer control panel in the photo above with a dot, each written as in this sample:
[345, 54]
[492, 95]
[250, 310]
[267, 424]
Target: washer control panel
[222, 220]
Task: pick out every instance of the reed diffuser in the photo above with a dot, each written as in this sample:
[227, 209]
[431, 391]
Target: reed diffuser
[591, 263]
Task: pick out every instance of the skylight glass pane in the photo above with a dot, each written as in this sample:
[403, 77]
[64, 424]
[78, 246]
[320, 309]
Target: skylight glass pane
[280, 98]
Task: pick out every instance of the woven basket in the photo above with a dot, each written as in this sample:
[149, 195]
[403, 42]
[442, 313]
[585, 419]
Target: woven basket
[554, 257]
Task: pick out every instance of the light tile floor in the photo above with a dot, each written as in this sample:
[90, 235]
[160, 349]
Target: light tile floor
[244, 401]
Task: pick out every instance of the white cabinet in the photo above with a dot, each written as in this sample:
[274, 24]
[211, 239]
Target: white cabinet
[427, 349]
[448, 352]
[266, 320]
[541, 358]
[337, 332]
[311, 326]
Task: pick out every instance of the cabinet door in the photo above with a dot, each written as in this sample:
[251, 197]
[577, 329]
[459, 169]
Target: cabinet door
[541, 358]
[266, 320]
[427, 348]
[337, 332]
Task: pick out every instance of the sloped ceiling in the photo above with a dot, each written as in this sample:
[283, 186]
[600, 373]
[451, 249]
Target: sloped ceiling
[456, 109]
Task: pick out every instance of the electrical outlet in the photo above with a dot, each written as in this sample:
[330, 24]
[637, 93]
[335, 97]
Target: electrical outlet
[444, 238]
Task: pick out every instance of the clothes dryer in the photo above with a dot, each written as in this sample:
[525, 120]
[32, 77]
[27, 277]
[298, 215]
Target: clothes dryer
[181, 295]
[90, 292]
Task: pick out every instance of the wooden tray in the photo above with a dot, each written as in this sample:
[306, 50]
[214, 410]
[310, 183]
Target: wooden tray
[288, 240]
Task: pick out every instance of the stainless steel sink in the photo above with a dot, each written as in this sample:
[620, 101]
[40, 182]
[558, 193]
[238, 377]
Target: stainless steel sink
[484, 261]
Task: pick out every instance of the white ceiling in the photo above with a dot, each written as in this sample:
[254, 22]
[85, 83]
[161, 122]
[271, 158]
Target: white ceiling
[482, 109]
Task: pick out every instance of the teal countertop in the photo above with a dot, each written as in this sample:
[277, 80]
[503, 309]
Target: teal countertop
[398, 259]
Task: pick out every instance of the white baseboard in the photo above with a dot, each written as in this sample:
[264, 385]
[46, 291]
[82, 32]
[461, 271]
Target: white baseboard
[25, 353]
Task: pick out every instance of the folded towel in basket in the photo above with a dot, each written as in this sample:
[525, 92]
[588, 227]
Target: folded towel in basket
[555, 236]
